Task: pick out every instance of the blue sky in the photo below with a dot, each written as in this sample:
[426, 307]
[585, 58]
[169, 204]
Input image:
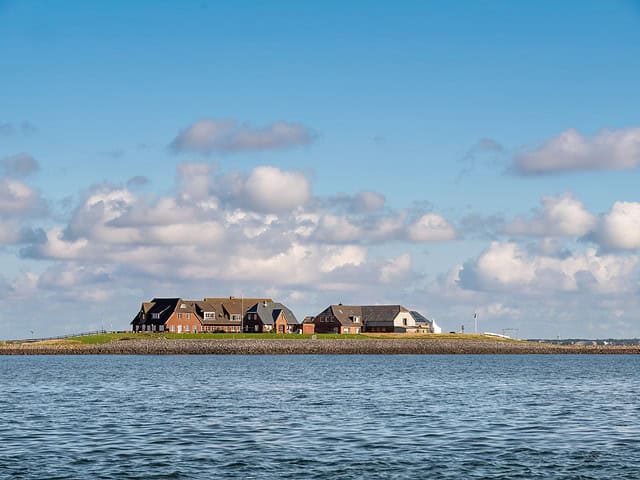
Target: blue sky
[443, 109]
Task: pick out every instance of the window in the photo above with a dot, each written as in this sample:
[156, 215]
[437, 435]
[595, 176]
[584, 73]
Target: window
[346, 329]
[357, 330]
[235, 317]
[354, 318]
[183, 306]
[209, 315]
[179, 316]
[155, 316]
[186, 328]
[404, 322]
[173, 328]
[188, 316]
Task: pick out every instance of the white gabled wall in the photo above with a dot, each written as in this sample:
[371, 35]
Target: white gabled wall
[398, 322]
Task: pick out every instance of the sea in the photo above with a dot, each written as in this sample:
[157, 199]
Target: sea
[320, 417]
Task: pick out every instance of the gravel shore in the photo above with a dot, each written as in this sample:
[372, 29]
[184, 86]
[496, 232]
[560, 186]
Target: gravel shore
[324, 346]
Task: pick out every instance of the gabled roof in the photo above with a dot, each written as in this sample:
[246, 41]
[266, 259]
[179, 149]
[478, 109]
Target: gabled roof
[343, 313]
[163, 307]
[269, 313]
[381, 314]
[419, 318]
[235, 305]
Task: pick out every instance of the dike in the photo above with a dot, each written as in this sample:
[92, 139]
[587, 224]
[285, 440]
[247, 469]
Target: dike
[307, 347]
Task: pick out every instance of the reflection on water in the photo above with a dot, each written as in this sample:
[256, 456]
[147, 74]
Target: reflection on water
[320, 417]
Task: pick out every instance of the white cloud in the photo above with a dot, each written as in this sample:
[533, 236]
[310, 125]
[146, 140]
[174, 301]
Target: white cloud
[505, 267]
[570, 151]
[620, 227]
[9, 232]
[562, 215]
[395, 268]
[18, 198]
[430, 228]
[269, 189]
[228, 136]
[337, 229]
[368, 201]
[195, 179]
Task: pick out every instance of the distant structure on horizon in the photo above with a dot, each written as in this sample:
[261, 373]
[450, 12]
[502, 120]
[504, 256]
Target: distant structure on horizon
[263, 315]
[372, 318]
[213, 315]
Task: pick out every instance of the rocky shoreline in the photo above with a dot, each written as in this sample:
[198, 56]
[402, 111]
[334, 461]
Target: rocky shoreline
[304, 346]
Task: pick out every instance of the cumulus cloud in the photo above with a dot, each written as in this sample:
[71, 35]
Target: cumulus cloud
[395, 268]
[368, 201]
[20, 165]
[571, 151]
[208, 136]
[561, 215]
[504, 266]
[195, 179]
[430, 228]
[620, 227]
[17, 198]
[270, 189]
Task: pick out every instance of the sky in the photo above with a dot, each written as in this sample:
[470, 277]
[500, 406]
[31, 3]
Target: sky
[454, 157]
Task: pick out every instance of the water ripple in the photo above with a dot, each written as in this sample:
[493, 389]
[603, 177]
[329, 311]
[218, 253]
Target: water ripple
[318, 417]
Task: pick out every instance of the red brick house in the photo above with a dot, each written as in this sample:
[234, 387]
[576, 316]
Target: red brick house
[195, 316]
[308, 327]
[270, 317]
[339, 319]
[364, 318]
[153, 315]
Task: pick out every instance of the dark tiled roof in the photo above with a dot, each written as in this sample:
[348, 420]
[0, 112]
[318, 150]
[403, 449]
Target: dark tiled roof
[344, 312]
[419, 318]
[381, 314]
[268, 315]
[235, 305]
[163, 307]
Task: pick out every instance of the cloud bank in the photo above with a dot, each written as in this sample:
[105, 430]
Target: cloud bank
[571, 151]
[208, 136]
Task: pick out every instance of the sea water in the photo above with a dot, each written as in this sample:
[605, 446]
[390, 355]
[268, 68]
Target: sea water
[324, 416]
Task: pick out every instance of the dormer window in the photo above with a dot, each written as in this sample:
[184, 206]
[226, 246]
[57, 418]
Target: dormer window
[155, 316]
[209, 315]
[184, 305]
[235, 317]
[354, 318]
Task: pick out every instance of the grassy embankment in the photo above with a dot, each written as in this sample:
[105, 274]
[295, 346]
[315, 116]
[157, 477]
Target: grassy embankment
[115, 337]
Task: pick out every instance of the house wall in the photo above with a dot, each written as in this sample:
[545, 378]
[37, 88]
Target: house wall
[281, 325]
[351, 329]
[251, 321]
[187, 323]
[380, 329]
[222, 328]
[404, 322]
[326, 324]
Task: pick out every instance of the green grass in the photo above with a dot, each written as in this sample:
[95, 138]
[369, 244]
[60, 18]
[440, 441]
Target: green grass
[115, 337]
